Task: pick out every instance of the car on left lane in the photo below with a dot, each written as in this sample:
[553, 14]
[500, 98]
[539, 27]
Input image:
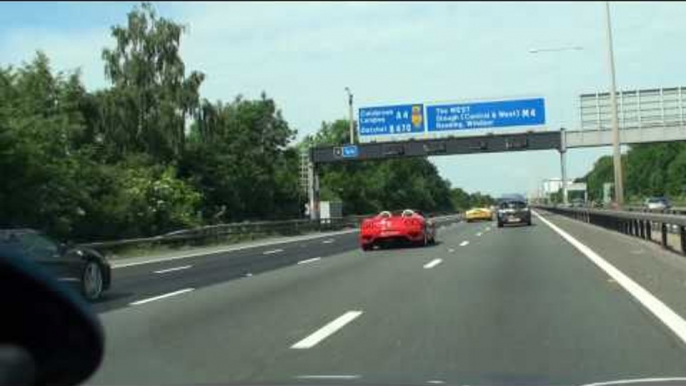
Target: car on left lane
[409, 226]
[83, 269]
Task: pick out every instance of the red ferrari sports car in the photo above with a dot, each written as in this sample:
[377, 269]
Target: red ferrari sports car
[407, 225]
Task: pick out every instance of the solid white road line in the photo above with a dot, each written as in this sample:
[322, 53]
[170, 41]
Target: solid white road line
[462, 244]
[272, 252]
[328, 241]
[665, 314]
[433, 263]
[637, 380]
[173, 269]
[327, 330]
[148, 300]
[328, 376]
[309, 260]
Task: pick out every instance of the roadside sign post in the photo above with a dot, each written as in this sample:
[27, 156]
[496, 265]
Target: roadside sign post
[350, 115]
[616, 153]
[313, 189]
[563, 165]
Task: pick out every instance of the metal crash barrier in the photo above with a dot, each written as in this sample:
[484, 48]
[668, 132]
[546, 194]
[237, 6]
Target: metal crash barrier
[632, 223]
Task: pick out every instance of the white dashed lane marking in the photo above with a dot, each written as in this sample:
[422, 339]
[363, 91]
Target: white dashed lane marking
[309, 260]
[433, 263]
[327, 330]
[173, 269]
[152, 299]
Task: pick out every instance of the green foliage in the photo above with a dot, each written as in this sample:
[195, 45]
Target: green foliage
[147, 156]
[462, 200]
[649, 170]
[238, 155]
[39, 157]
[151, 98]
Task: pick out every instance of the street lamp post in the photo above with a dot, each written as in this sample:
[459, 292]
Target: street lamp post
[350, 115]
[563, 139]
[617, 155]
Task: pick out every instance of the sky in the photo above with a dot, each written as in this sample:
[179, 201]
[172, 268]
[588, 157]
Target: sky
[304, 55]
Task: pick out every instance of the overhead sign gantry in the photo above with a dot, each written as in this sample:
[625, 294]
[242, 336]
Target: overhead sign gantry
[502, 125]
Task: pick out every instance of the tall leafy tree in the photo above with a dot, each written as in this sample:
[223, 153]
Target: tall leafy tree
[151, 98]
[239, 156]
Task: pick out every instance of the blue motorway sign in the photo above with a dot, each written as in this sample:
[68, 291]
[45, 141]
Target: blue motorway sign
[484, 115]
[391, 120]
[350, 151]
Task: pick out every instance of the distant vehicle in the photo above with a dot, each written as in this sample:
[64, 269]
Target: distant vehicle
[410, 226]
[510, 197]
[80, 268]
[513, 211]
[578, 203]
[658, 203]
[477, 214]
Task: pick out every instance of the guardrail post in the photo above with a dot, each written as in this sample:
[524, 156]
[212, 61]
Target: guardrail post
[682, 236]
[663, 229]
[649, 234]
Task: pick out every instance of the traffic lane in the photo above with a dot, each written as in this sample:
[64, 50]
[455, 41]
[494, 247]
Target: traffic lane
[345, 238]
[131, 284]
[518, 306]
[142, 281]
[337, 239]
[660, 271]
[237, 331]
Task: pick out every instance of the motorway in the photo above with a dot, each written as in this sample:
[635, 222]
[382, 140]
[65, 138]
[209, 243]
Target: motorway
[485, 306]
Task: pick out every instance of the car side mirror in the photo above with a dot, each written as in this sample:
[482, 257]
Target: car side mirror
[50, 336]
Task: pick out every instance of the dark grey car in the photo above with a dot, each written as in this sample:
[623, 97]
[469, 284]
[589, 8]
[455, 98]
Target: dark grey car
[80, 268]
[513, 212]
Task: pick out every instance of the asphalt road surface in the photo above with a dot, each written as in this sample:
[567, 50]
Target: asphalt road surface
[485, 306]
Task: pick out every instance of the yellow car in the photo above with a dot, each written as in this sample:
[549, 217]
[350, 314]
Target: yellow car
[476, 214]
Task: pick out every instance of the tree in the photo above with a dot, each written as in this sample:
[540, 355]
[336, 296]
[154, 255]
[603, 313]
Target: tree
[650, 170]
[151, 97]
[39, 122]
[602, 172]
[238, 154]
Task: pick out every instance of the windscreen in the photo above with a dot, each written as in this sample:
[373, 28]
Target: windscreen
[210, 178]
